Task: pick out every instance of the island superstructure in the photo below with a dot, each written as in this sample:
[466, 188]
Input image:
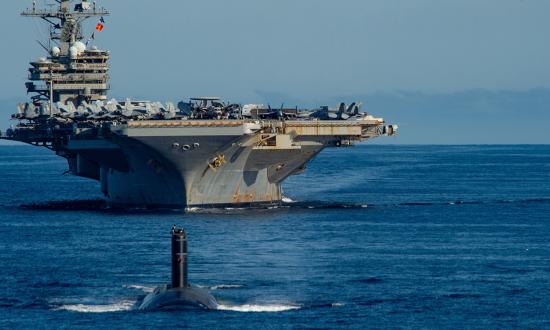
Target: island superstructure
[197, 153]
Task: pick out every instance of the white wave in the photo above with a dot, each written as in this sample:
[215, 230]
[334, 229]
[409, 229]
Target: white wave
[121, 306]
[247, 308]
[193, 209]
[288, 200]
[225, 286]
[144, 288]
[338, 304]
[364, 206]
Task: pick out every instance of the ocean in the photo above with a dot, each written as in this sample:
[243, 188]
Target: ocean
[368, 237]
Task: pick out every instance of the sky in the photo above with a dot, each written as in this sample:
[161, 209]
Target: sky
[303, 51]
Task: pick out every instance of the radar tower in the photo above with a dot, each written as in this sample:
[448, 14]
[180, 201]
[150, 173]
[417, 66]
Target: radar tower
[71, 72]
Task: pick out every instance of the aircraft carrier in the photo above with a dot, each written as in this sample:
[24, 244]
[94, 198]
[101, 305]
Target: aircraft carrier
[201, 152]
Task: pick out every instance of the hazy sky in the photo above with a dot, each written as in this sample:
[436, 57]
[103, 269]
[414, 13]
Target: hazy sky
[310, 49]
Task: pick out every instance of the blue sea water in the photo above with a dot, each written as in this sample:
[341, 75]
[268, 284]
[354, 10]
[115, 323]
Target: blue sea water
[369, 237]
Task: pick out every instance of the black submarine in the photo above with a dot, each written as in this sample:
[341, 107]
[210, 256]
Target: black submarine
[180, 294]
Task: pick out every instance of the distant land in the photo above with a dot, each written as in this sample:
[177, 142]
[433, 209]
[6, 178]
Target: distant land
[474, 116]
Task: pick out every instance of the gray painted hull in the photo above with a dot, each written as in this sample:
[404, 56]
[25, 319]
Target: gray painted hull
[151, 171]
[187, 164]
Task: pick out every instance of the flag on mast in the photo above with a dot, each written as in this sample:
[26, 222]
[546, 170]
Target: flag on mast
[101, 24]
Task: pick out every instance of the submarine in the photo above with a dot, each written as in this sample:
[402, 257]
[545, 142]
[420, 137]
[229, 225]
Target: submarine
[180, 294]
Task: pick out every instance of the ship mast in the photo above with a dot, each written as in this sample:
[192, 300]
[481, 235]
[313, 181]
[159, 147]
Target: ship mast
[71, 73]
[66, 23]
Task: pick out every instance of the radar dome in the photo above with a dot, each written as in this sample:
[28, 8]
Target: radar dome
[80, 46]
[56, 51]
[73, 52]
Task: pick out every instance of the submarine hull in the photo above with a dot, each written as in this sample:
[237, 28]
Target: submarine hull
[166, 297]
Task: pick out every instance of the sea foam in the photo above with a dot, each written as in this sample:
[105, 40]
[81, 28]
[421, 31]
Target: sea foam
[121, 306]
[253, 308]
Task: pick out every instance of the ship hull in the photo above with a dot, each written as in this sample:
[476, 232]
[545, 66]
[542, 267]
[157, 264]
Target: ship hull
[156, 169]
[187, 164]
